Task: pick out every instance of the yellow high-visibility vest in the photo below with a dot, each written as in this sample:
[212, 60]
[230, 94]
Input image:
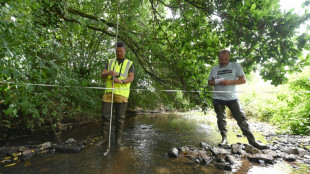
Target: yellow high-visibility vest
[122, 71]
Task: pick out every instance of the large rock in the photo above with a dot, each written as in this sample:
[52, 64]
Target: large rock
[250, 149]
[173, 153]
[45, 146]
[289, 157]
[235, 149]
[257, 157]
[297, 151]
[205, 159]
[218, 151]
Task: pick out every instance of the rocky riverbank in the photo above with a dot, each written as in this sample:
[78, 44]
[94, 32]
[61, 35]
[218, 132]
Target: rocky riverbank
[294, 149]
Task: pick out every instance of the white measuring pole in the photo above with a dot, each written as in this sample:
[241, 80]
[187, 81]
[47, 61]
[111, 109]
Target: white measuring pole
[109, 145]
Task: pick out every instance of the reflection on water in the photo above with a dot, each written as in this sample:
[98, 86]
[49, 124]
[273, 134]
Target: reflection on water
[146, 139]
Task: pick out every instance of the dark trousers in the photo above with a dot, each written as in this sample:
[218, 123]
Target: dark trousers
[237, 113]
[120, 110]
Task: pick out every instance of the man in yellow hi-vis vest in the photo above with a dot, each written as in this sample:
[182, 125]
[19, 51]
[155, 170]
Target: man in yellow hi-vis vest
[121, 72]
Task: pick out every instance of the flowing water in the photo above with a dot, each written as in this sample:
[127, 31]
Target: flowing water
[146, 139]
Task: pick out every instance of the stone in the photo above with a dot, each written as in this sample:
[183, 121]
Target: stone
[307, 156]
[266, 158]
[225, 146]
[261, 162]
[206, 160]
[45, 146]
[22, 148]
[205, 145]
[223, 166]
[243, 153]
[197, 161]
[274, 154]
[250, 149]
[183, 149]
[192, 158]
[230, 159]
[289, 157]
[235, 149]
[297, 151]
[173, 153]
[70, 141]
[220, 159]
[217, 151]
[27, 153]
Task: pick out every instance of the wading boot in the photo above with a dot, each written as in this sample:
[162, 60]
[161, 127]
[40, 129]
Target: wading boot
[105, 139]
[254, 143]
[106, 116]
[118, 137]
[224, 139]
[258, 145]
[120, 110]
[119, 131]
[118, 140]
[105, 130]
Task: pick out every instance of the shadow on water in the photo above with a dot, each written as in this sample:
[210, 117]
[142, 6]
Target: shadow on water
[146, 139]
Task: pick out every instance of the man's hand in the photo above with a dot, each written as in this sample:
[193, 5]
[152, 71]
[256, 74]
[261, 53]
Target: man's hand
[105, 73]
[225, 82]
[117, 80]
[241, 80]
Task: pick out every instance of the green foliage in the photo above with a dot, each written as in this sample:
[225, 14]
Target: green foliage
[295, 116]
[288, 108]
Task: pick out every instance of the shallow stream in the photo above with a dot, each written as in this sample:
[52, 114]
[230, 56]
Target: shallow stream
[146, 139]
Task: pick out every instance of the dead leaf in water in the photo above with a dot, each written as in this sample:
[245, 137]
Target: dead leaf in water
[9, 165]
[27, 164]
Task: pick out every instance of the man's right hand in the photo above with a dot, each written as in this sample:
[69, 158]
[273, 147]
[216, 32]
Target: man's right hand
[105, 73]
[112, 73]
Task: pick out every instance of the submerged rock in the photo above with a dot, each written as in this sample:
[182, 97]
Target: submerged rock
[68, 148]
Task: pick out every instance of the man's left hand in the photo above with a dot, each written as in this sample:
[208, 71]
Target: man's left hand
[117, 80]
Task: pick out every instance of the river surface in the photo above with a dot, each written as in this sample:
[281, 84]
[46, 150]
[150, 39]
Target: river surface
[146, 139]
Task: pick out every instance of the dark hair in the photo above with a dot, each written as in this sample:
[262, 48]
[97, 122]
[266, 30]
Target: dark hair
[224, 52]
[120, 44]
